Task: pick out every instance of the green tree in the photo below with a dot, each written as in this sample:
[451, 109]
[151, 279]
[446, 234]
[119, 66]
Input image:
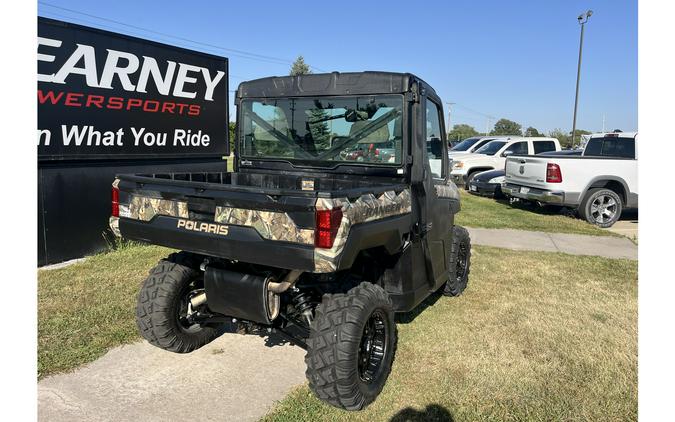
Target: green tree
[507, 127]
[319, 128]
[461, 131]
[530, 131]
[561, 136]
[565, 138]
[299, 67]
[232, 127]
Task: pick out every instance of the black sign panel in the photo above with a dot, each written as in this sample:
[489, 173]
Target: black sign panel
[105, 95]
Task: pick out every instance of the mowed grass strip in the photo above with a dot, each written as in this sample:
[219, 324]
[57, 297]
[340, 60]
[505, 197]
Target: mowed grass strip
[536, 336]
[484, 212]
[87, 308]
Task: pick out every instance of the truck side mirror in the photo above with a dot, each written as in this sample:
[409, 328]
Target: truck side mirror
[506, 153]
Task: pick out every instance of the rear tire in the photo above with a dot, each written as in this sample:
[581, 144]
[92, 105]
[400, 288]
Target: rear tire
[351, 346]
[162, 303]
[601, 207]
[460, 262]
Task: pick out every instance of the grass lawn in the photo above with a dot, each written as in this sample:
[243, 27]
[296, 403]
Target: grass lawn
[478, 211]
[87, 308]
[537, 336]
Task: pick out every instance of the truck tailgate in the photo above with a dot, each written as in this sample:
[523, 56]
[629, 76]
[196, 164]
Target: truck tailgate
[527, 170]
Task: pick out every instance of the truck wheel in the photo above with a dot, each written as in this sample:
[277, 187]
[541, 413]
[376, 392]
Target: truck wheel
[162, 307]
[351, 346]
[460, 262]
[469, 178]
[601, 207]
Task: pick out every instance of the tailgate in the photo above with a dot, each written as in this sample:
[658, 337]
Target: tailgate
[219, 220]
[527, 170]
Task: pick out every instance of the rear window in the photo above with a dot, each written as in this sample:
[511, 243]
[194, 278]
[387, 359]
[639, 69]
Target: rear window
[611, 147]
[543, 146]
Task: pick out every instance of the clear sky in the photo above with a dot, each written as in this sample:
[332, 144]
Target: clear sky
[512, 59]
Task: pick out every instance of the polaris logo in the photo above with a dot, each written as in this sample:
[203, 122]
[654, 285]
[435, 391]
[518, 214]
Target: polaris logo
[203, 227]
[170, 78]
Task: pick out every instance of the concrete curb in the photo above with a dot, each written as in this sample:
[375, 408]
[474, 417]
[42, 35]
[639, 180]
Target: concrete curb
[575, 244]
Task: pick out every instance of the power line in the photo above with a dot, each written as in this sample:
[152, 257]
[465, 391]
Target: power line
[474, 111]
[236, 53]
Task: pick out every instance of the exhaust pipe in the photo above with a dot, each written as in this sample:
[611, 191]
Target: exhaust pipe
[198, 300]
[288, 281]
[243, 296]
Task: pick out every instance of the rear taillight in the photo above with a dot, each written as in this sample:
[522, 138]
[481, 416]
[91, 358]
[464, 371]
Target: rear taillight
[327, 225]
[115, 201]
[553, 174]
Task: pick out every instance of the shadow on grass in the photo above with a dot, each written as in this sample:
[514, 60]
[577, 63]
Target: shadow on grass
[433, 412]
[409, 317]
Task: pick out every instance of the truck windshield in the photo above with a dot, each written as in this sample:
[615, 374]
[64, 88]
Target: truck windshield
[363, 129]
[465, 144]
[491, 148]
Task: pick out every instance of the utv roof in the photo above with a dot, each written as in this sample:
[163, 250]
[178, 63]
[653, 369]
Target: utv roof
[333, 84]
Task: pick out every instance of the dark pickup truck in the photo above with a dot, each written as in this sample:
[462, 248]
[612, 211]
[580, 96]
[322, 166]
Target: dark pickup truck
[317, 234]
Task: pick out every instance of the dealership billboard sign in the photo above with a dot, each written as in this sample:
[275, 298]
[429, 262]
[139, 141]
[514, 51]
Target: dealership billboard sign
[105, 95]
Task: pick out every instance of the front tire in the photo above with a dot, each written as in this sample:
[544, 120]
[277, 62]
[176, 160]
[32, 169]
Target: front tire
[460, 262]
[351, 346]
[601, 207]
[162, 307]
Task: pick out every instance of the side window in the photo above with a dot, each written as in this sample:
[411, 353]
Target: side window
[434, 143]
[518, 148]
[543, 146]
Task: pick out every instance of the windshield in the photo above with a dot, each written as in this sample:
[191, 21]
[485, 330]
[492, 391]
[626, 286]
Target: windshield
[465, 144]
[322, 130]
[491, 148]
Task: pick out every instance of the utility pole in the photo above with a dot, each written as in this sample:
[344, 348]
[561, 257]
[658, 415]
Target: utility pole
[603, 122]
[582, 19]
[449, 106]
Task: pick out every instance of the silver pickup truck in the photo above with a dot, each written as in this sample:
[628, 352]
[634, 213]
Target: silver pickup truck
[600, 183]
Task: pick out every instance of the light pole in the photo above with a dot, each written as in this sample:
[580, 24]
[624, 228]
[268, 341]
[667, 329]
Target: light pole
[582, 18]
[448, 126]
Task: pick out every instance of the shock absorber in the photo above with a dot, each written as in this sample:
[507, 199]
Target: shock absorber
[302, 304]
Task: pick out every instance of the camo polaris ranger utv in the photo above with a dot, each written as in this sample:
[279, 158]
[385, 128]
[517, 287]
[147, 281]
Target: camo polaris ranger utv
[340, 213]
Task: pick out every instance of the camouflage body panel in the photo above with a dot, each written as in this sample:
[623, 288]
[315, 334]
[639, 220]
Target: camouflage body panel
[270, 225]
[364, 209]
[144, 208]
[447, 190]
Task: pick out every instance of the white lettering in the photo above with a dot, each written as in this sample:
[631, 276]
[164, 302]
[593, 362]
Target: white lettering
[120, 65]
[150, 67]
[46, 57]
[113, 68]
[73, 134]
[211, 83]
[89, 70]
[149, 139]
[187, 138]
[182, 79]
[44, 136]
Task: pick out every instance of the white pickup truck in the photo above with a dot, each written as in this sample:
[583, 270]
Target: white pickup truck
[599, 184]
[493, 155]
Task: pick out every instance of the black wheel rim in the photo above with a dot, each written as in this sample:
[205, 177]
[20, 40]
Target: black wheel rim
[373, 347]
[462, 258]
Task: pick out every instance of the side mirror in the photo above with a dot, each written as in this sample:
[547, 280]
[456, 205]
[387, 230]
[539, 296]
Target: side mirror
[506, 153]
